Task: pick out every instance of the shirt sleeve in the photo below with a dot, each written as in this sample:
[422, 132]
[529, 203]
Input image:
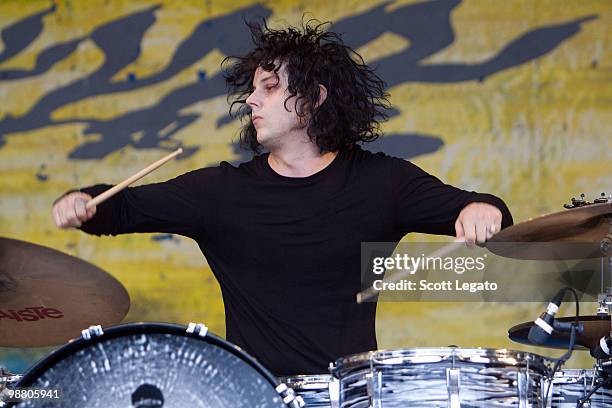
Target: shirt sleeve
[174, 206]
[424, 204]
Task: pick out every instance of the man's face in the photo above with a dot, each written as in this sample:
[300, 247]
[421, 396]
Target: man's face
[273, 122]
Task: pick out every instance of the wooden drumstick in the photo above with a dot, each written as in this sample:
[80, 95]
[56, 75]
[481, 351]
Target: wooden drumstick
[114, 190]
[370, 292]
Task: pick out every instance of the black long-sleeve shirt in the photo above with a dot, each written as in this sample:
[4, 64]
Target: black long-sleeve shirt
[286, 251]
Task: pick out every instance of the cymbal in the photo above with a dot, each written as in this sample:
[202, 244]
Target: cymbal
[569, 234]
[595, 327]
[47, 297]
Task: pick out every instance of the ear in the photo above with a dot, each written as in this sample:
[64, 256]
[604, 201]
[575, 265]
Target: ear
[322, 95]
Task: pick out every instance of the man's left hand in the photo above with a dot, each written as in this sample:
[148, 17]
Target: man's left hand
[478, 222]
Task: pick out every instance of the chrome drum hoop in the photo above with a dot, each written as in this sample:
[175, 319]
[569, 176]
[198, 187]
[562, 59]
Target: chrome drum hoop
[317, 390]
[9, 380]
[433, 355]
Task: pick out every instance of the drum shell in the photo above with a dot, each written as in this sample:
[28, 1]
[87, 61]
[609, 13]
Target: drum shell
[107, 371]
[441, 377]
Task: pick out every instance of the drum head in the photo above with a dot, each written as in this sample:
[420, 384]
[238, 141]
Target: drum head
[153, 365]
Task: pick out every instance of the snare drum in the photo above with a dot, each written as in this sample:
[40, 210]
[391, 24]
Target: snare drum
[441, 377]
[153, 365]
[569, 386]
[319, 391]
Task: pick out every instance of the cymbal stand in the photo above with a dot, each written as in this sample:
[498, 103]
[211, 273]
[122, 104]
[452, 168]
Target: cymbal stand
[605, 298]
[603, 368]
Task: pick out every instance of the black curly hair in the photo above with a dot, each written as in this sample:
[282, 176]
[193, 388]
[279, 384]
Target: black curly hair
[356, 99]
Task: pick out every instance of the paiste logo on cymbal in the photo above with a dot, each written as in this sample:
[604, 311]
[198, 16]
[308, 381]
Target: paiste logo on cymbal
[31, 314]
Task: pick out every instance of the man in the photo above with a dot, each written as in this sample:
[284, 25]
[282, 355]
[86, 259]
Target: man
[282, 232]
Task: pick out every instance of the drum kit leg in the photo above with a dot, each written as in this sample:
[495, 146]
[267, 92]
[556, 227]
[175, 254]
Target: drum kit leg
[160, 364]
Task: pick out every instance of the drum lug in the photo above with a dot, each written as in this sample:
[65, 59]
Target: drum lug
[199, 328]
[374, 384]
[453, 375]
[334, 393]
[523, 387]
[91, 332]
[289, 397]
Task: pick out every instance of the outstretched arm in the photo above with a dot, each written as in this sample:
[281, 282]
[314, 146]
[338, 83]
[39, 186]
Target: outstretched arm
[174, 206]
[425, 204]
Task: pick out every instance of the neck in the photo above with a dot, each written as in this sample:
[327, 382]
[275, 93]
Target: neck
[300, 162]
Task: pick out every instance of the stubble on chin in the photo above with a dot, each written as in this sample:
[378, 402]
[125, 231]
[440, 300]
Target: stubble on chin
[270, 142]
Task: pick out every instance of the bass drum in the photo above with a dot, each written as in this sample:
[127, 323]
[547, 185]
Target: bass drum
[570, 386]
[441, 378]
[152, 365]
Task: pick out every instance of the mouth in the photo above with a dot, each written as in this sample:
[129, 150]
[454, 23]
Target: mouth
[255, 118]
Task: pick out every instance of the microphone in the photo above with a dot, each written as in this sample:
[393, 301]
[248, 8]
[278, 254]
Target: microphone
[543, 327]
[602, 351]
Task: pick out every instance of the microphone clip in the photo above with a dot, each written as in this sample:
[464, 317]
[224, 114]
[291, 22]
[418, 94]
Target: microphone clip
[567, 326]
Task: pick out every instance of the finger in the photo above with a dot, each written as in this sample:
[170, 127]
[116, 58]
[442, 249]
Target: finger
[470, 232]
[83, 214]
[491, 230]
[61, 216]
[459, 233]
[481, 232]
[80, 210]
[498, 224]
[73, 219]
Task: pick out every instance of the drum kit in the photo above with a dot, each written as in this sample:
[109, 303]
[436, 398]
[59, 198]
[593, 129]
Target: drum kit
[47, 297]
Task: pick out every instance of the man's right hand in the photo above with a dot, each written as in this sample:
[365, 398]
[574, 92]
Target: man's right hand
[70, 212]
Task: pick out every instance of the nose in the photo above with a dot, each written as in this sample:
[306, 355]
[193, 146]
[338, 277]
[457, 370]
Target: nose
[253, 100]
